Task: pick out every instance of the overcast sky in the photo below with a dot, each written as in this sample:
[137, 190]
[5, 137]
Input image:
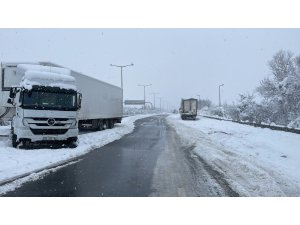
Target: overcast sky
[179, 63]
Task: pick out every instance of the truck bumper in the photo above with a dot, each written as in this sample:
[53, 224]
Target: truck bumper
[188, 116]
[25, 133]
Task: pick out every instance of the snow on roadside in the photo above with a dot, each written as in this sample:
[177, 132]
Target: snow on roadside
[4, 130]
[254, 161]
[15, 162]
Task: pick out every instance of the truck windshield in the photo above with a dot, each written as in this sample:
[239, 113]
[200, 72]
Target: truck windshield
[49, 100]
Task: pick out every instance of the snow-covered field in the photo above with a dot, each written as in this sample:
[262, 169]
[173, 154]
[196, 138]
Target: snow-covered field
[17, 162]
[254, 161]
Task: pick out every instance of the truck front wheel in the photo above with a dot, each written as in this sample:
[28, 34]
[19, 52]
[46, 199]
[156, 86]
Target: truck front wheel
[72, 142]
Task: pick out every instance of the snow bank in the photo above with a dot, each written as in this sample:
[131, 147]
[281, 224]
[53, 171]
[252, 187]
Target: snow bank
[254, 161]
[15, 162]
[4, 130]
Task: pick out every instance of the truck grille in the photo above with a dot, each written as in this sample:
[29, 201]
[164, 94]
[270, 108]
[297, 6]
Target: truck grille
[46, 124]
[41, 126]
[48, 131]
[45, 119]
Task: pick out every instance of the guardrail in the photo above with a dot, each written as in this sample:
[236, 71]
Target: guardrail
[273, 127]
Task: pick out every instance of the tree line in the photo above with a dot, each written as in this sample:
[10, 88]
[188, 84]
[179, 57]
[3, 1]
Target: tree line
[276, 100]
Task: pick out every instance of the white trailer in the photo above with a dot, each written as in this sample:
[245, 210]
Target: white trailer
[102, 103]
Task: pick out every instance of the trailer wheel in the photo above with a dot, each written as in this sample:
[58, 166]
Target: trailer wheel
[14, 141]
[111, 124]
[94, 124]
[100, 125]
[105, 124]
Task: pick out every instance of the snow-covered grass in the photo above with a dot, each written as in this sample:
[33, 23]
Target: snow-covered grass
[16, 162]
[254, 161]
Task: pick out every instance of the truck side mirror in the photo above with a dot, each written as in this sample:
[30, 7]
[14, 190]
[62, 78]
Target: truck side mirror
[10, 101]
[79, 98]
[12, 93]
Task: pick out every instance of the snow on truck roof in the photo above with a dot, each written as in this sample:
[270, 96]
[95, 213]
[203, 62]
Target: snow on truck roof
[46, 76]
[79, 73]
[51, 69]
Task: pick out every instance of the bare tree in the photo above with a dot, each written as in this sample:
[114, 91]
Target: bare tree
[204, 102]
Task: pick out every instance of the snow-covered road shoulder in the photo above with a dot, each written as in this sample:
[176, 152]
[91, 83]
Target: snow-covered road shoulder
[16, 163]
[254, 161]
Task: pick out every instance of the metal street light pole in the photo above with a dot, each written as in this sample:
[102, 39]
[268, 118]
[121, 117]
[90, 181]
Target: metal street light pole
[220, 94]
[154, 95]
[144, 85]
[119, 66]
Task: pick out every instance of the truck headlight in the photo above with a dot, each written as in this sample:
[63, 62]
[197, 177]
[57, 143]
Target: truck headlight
[25, 123]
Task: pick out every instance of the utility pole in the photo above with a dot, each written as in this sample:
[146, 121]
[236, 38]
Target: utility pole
[220, 94]
[154, 95]
[144, 85]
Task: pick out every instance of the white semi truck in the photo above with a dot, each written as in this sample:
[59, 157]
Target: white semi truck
[47, 102]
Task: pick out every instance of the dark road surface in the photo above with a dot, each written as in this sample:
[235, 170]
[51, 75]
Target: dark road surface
[151, 161]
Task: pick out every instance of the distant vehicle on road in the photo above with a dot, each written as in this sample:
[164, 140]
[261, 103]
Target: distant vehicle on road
[188, 108]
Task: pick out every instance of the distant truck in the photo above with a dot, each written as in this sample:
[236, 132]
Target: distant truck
[47, 102]
[188, 108]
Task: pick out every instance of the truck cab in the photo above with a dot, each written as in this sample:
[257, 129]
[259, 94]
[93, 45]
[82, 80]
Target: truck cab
[46, 105]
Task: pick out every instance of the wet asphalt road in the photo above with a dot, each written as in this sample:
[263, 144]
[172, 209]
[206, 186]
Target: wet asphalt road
[151, 161]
